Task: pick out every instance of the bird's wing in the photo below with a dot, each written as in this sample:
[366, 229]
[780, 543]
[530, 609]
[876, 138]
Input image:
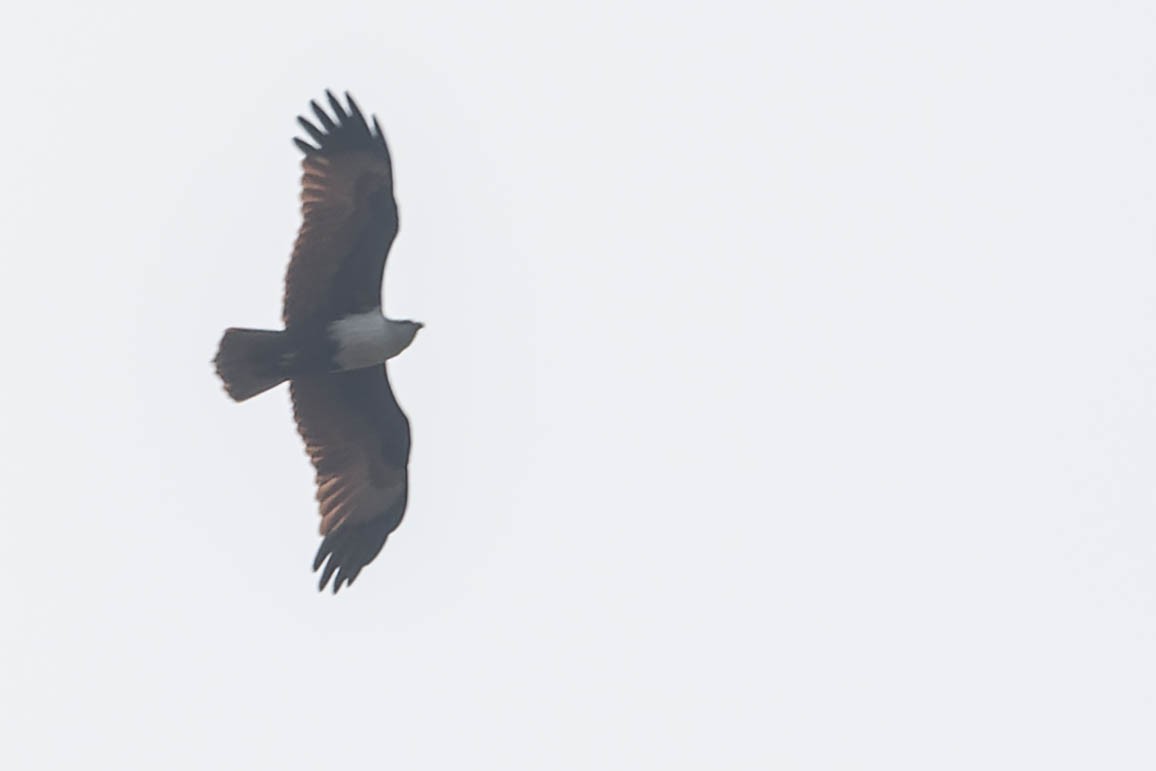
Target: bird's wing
[358, 440]
[349, 217]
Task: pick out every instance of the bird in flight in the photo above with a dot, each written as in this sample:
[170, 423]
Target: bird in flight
[336, 340]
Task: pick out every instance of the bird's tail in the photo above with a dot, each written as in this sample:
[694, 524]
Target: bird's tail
[251, 361]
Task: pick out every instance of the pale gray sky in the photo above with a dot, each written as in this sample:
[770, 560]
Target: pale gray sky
[787, 398]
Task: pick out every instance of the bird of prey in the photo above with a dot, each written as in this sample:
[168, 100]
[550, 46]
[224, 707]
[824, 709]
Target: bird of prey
[336, 340]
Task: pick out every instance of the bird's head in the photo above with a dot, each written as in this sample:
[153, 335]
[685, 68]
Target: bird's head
[411, 329]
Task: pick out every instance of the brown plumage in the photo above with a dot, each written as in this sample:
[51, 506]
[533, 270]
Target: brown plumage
[355, 434]
[348, 218]
[358, 440]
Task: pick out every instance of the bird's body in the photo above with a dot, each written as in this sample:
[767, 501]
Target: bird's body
[364, 339]
[336, 340]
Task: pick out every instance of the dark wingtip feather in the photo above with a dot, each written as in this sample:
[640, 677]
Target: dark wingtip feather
[327, 573]
[349, 548]
[322, 553]
[346, 131]
[380, 134]
[354, 109]
[317, 134]
[322, 116]
[338, 110]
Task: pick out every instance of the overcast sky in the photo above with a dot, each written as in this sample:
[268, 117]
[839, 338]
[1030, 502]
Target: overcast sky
[787, 398]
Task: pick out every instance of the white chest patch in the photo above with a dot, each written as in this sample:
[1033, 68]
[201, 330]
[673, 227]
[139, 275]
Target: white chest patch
[367, 339]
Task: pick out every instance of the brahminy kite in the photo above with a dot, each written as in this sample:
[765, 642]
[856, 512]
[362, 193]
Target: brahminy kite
[336, 340]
